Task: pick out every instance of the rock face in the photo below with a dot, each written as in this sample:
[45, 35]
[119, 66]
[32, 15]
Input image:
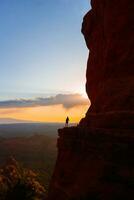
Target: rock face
[108, 29]
[95, 159]
[94, 165]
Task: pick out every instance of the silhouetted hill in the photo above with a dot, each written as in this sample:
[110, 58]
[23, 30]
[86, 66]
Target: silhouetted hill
[13, 121]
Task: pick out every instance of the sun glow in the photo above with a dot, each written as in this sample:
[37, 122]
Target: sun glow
[55, 113]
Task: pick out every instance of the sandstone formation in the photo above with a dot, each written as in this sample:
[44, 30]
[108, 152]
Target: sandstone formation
[109, 33]
[94, 165]
[96, 158]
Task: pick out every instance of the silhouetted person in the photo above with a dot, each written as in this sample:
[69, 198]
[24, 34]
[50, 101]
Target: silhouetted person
[67, 122]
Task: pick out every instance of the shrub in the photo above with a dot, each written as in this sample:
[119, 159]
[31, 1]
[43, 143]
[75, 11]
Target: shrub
[17, 182]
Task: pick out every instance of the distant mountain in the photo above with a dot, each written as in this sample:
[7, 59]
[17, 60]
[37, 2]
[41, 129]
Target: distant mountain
[13, 121]
[20, 129]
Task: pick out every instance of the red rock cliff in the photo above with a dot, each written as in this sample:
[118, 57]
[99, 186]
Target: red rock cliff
[95, 159]
[109, 33]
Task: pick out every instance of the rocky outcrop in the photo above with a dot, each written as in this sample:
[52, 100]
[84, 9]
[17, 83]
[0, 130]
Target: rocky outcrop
[95, 159]
[108, 29]
[94, 164]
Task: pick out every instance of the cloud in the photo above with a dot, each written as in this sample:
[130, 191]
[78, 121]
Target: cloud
[66, 100]
[9, 111]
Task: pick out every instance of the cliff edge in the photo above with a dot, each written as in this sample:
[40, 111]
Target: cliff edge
[95, 159]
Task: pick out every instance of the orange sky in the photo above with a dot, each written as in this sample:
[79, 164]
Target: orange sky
[55, 113]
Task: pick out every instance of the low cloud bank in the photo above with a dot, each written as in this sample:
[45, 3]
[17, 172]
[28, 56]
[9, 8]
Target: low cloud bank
[66, 100]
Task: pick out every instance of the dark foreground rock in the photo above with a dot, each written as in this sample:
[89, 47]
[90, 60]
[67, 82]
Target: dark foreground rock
[96, 158]
[94, 164]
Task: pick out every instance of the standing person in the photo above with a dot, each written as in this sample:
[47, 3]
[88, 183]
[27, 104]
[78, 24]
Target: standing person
[67, 122]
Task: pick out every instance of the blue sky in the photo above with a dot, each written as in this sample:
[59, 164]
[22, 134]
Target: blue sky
[42, 50]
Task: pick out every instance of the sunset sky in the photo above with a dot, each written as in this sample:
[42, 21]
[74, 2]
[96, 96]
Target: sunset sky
[42, 60]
